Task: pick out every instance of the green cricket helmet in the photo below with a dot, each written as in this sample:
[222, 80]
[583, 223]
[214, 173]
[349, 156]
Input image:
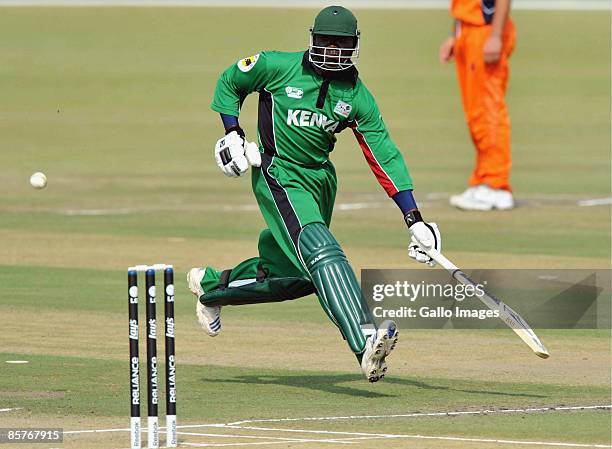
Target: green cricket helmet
[334, 39]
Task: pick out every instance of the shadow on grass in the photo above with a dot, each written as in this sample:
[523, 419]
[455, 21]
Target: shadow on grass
[331, 384]
[328, 384]
[426, 386]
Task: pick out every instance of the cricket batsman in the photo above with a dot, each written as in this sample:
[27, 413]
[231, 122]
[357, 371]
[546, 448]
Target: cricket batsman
[305, 99]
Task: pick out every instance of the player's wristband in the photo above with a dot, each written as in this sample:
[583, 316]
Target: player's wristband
[236, 128]
[229, 120]
[405, 201]
[412, 216]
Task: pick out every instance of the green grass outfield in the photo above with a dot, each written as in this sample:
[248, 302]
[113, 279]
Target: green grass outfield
[112, 104]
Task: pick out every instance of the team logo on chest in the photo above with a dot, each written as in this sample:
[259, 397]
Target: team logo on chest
[302, 118]
[342, 108]
[294, 92]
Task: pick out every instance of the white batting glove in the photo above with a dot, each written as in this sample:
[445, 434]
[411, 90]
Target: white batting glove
[424, 236]
[251, 151]
[230, 157]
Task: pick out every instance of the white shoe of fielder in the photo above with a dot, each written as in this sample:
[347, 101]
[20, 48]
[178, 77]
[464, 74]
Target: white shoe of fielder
[483, 197]
[378, 347]
[460, 199]
[209, 317]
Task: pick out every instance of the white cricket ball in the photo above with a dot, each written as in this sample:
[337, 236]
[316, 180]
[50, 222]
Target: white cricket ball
[38, 180]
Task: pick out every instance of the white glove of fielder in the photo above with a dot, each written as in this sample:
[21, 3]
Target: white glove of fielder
[234, 155]
[425, 236]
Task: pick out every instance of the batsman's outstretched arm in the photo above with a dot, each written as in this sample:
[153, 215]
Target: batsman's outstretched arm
[389, 167]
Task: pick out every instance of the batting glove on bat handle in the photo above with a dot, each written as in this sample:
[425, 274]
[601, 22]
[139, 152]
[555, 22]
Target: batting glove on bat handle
[424, 237]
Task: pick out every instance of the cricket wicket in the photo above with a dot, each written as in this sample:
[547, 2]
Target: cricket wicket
[152, 369]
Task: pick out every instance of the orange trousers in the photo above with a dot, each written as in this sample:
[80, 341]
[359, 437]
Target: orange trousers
[483, 90]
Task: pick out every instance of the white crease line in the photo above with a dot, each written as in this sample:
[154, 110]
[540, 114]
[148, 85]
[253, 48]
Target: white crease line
[96, 212]
[437, 195]
[259, 443]
[231, 444]
[226, 208]
[418, 415]
[254, 437]
[3, 410]
[373, 202]
[74, 432]
[357, 206]
[334, 418]
[595, 202]
[424, 437]
[240, 207]
[142, 430]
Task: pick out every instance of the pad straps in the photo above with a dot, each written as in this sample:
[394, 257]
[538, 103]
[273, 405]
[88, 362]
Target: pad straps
[224, 279]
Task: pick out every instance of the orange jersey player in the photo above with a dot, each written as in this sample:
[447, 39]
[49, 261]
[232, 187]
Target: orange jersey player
[481, 44]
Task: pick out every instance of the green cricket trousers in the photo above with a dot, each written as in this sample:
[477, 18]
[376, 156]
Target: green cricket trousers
[297, 253]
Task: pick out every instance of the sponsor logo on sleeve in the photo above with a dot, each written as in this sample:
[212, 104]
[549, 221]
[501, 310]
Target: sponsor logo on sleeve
[294, 92]
[247, 64]
[343, 109]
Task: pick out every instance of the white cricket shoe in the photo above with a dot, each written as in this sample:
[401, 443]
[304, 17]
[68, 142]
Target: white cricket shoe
[483, 197]
[209, 317]
[458, 200]
[378, 346]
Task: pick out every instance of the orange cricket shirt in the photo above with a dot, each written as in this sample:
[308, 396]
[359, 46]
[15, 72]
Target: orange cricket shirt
[474, 12]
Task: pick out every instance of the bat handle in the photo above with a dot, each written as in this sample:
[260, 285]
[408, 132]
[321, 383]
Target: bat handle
[443, 261]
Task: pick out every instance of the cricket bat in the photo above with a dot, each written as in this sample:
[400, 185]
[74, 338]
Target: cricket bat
[512, 319]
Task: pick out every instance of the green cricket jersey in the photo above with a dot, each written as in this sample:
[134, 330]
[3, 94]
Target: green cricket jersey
[300, 112]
